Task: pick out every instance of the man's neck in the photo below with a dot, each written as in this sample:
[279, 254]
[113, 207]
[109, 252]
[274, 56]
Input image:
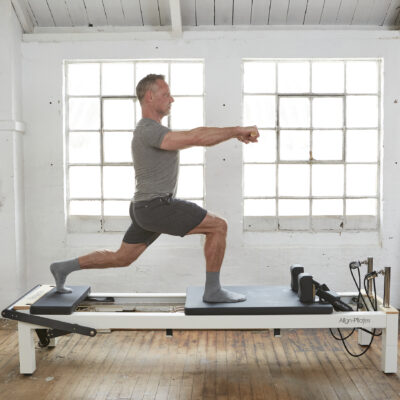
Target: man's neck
[150, 114]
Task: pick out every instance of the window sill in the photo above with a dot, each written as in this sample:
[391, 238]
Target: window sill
[322, 240]
[338, 224]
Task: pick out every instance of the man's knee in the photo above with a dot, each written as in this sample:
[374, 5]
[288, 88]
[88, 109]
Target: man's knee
[125, 259]
[128, 253]
[221, 225]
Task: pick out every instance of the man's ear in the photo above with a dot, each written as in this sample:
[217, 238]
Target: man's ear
[148, 96]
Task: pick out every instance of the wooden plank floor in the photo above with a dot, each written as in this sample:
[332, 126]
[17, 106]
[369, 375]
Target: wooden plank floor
[222, 365]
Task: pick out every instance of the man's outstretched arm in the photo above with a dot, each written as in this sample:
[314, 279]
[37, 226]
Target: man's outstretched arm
[177, 140]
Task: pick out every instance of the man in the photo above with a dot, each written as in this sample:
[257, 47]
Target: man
[154, 209]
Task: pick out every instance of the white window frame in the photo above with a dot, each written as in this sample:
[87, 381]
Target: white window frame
[316, 223]
[103, 223]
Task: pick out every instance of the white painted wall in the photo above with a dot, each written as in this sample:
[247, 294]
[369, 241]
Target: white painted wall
[12, 235]
[171, 263]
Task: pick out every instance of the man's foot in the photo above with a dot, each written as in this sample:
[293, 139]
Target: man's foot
[223, 296]
[214, 293]
[60, 270]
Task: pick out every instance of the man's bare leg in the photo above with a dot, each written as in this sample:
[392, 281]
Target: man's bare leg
[123, 257]
[215, 229]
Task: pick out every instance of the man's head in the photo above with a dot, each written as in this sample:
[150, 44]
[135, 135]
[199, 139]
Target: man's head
[153, 94]
[147, 83]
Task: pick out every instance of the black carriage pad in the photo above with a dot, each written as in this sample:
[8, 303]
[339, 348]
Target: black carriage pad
[261, 300]
[60, 303]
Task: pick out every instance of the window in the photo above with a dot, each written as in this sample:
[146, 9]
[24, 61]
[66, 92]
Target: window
[317, 163]
[100, 117]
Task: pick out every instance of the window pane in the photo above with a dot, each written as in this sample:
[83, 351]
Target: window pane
[294, 77]
[198, 202]
[117, 208]
[327, 207]
[186, 78]
[84, 182]
[294, 112]
[294, 145]
[361, 207]
[362, 111]
[328, 77]
[259, 180]
[118, 114]
[294, 180]
[84, 113]
[193, 155]
[327, 145]
[164, 121]
[259, 110]
[361, 180]
[145, 68]
[117, 79]
[262, 151]
[290, 208]
[259, 207]
[83, 79]
[118, 182]
[190, 182]
[362, 145]
[117, 146]
[84, 207]
[259, 77]
[362, 76]
[327, 180]
[327, 113]
[84, 147]
[187, 113]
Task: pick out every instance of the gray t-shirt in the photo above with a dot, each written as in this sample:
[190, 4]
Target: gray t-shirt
[156, 170]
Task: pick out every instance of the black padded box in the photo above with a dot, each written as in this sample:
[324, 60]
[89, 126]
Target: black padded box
[60, 303]
[261, 300]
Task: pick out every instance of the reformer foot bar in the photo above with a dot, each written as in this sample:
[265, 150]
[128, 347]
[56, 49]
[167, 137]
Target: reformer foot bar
[84, 313]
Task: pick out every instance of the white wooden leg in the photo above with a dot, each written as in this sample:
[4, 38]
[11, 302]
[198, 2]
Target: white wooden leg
[364, 338]
[389, 344]
[27, 360]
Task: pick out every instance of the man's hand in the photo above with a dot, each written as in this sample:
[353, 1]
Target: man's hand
[248, 134]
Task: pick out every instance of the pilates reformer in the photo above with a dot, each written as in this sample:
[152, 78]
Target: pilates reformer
[304, 304]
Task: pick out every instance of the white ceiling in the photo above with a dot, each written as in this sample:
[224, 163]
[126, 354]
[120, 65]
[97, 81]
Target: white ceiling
[37, 14]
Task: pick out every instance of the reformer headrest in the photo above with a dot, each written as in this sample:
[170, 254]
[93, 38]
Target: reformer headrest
[306, 288]
[295, 270]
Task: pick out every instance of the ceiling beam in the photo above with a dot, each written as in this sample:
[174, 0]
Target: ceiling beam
[20, 8]
[176, 17]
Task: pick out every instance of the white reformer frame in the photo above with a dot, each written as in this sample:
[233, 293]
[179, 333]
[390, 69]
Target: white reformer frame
[385, 319]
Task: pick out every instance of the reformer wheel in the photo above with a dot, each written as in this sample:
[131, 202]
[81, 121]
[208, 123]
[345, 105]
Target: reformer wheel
[44, 342]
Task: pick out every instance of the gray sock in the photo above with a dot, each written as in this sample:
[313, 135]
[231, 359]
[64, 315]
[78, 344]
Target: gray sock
[60, 270]
[214, 293]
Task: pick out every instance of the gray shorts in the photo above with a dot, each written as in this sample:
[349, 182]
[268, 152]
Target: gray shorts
[162, 215]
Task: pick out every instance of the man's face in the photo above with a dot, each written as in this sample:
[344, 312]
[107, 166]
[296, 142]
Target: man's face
[161, 98]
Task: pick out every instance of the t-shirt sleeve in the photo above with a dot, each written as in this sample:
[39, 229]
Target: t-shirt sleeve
[154, 134]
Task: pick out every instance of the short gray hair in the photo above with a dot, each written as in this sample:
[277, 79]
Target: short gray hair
[146, 84]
